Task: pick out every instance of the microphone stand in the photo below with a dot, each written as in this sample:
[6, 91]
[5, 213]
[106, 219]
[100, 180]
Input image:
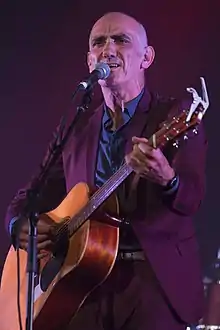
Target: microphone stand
[33, 195]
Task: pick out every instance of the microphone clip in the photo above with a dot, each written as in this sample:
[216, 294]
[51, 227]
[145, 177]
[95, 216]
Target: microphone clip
[86, 100]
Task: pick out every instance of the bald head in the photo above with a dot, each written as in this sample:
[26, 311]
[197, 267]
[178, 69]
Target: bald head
[121, 41]
[121, 18]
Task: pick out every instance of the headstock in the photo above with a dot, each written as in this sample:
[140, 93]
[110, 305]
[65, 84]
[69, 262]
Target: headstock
[187, 119]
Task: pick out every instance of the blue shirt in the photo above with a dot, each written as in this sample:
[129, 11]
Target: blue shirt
[111, 150]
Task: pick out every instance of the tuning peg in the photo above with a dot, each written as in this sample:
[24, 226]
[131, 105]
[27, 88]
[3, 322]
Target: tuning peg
[185, 137]
[165, 125]
[195, 130]
[176, 144]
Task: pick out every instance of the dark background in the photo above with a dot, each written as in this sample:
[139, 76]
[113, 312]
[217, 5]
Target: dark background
[43, 56]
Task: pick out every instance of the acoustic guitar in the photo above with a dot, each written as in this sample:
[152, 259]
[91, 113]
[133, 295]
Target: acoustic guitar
[87, 245]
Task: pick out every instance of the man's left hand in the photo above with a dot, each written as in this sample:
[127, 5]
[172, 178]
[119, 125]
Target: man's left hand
[149, 163]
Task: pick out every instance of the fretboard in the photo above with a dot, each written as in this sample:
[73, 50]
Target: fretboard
[99, 197]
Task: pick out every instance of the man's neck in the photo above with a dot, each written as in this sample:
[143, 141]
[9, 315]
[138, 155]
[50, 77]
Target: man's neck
[115, 98]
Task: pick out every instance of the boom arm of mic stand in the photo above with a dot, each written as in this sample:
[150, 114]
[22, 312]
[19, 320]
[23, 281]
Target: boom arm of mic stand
[33, 195]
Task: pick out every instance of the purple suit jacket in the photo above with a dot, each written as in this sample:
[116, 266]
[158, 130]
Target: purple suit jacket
[163, 226]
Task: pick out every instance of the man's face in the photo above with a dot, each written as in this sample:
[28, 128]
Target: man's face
[118, 41]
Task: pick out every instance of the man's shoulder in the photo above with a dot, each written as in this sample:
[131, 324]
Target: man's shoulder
[169, 104]
[162, 100]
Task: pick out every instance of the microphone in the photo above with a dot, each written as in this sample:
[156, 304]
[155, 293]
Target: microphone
[101, 71]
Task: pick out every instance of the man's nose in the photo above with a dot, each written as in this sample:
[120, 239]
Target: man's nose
[109, 50]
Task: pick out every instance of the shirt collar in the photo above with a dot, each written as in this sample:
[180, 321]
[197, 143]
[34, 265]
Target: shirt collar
[129, 107]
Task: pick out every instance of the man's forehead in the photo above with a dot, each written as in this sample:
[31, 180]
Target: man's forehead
[117, 25]
[111, 28]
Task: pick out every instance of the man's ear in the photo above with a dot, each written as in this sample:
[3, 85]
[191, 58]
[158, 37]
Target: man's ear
[148, 57]
[89, 59]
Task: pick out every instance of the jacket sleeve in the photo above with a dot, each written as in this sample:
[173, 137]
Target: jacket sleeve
[189, 164]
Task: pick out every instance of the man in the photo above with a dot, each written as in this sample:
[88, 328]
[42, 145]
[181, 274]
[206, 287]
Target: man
[156, 281]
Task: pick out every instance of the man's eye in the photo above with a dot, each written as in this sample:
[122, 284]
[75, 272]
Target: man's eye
[97, 43]
[121, 40]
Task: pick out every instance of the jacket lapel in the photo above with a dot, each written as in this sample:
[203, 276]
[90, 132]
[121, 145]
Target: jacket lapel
[81, 150]
[138, 122]
[93, 134]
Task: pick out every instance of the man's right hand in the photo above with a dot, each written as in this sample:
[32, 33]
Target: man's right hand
[46, 229]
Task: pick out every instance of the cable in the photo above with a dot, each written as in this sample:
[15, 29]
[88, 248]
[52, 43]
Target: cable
[18, 288]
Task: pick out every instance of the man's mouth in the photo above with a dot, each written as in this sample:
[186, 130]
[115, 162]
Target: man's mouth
[113, 65]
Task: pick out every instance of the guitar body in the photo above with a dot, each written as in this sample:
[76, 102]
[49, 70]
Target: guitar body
[67, 279]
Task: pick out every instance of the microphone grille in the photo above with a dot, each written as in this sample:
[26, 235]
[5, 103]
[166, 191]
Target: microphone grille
[104, 69]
